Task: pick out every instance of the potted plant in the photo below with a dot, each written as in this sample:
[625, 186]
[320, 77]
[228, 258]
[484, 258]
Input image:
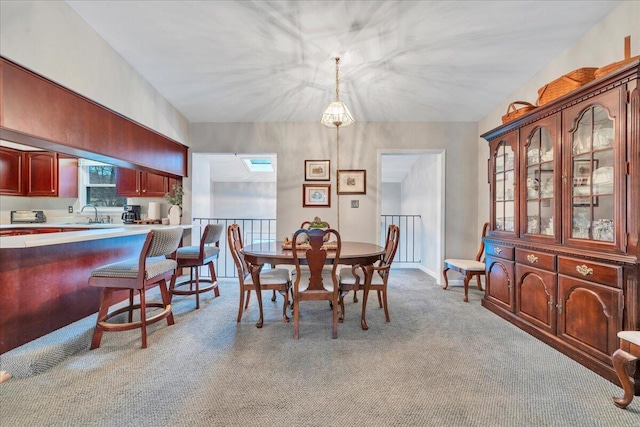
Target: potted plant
[318, 223]
[174, 197]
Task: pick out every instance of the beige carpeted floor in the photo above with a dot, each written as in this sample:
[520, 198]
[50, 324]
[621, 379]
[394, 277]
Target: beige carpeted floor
[440, 362]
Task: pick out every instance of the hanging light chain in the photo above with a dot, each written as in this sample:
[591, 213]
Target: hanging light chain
[337, 90]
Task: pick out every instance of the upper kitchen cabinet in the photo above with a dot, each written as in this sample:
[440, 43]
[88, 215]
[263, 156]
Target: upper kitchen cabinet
[38, 174]
[11, 172]
[133, 183]
[79, 127]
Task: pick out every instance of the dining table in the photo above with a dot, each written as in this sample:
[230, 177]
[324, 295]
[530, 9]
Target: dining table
[351, 253]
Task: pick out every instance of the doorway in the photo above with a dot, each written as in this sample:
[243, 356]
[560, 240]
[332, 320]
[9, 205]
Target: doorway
[412, 183]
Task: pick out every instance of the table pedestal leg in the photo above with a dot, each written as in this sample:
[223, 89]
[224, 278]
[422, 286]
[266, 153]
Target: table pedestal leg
[368, 274]
[255, 275]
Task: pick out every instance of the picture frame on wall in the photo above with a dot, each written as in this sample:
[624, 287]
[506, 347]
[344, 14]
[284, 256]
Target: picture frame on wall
[316, 195]
[352, 181]
[316, 170]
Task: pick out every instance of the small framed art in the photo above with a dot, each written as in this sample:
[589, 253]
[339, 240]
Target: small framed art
[316, 195]
[316, 170]
[352, 181]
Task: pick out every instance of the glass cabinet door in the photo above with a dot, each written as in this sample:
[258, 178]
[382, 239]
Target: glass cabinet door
[592, 173]
[504, 179]
[540, 205]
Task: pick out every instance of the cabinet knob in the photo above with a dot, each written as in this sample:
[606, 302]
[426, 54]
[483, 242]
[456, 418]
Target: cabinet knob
[584, 270]
[559, 307]
[497, 250]
[532, 258]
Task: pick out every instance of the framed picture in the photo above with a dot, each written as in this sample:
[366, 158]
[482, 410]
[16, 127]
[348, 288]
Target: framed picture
[352, 181]
[316, 170]
[316, 195]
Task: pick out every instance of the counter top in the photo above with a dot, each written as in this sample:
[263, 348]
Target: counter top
[92, 232]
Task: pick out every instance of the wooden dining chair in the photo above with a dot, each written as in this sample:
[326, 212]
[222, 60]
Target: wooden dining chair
[468, 267]
[156, 265]
[193, 257]
[312, 282]
[625, 362]
[352, 280]
[276, 279]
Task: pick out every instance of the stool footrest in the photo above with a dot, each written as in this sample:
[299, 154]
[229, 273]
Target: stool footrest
[103, 324]
[174, 291]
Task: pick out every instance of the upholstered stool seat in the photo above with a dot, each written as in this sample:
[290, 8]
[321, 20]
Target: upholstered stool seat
[623, 358]
[155, 265]
[193, 257]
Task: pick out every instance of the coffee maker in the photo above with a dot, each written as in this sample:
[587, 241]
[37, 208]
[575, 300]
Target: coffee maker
[131, 214]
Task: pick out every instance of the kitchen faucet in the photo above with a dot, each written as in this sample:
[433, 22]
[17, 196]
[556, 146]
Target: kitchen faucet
[91, 206]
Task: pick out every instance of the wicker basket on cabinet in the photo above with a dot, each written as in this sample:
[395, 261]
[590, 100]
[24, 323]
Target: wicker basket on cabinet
[513, 112]
[565, 84]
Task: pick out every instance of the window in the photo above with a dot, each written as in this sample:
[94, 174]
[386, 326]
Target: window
[98, 186]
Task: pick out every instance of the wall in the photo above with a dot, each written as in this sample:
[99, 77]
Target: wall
[601, 45]
[52, 40]
[359, 149]
[391, 198]
[254, 200]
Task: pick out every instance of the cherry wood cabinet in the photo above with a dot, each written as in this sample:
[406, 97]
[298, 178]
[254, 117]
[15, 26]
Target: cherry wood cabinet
[133, 183]
[38, 174]
[11, 172]
[563, 250]
[41, 173]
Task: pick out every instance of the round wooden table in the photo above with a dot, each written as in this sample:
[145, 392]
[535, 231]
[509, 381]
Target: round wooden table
[351, 253]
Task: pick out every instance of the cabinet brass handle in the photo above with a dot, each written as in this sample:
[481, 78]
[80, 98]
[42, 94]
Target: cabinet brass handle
[584, 270]
[497, 250]
[532, 258]
[559, 307]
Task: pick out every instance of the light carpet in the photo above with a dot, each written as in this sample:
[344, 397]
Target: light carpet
[439, 362]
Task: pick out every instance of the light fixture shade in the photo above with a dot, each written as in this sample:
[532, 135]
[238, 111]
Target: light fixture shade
[337, 115]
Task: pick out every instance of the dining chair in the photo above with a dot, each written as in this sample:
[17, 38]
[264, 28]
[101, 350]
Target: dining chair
[155, 265]
[312, 281]
[624, 358]
[468, 267]
[193, 257]
[351, 280]
[276, 279]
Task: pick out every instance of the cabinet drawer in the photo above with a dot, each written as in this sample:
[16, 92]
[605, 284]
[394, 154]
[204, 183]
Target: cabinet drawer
[606, 274]
[499, 250]
[536, 259]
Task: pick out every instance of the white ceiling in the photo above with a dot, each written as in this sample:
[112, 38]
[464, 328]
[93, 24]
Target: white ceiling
[273, 61]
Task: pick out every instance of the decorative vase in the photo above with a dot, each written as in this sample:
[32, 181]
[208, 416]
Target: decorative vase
[175, 213]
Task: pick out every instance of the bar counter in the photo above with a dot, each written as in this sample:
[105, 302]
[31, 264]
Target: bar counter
[44, 277]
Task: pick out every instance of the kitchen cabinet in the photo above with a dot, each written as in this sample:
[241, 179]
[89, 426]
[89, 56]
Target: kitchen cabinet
[563, 249]
[41, 173]
[134, 183]
[11, 172]
[38, 174]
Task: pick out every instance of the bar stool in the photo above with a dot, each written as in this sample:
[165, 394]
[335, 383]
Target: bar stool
[156, 265]
[195, 257]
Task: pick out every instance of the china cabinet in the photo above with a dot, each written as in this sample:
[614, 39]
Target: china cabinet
[562, 254]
